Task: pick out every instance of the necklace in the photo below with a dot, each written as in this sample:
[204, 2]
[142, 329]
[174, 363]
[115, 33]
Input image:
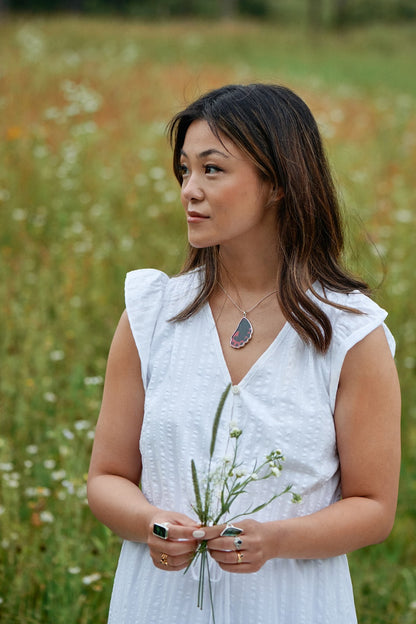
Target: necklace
[244, 332]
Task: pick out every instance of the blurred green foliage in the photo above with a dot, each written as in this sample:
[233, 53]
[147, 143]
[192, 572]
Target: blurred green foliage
[329, 12]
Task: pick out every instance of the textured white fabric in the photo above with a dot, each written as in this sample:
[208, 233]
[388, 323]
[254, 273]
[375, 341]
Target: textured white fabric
[285, 401]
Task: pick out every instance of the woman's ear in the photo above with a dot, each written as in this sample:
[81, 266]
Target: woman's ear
[277, 193]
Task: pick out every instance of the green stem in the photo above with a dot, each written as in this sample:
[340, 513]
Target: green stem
[211, 599]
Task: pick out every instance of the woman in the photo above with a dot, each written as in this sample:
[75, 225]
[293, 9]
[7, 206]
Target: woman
[263, 303]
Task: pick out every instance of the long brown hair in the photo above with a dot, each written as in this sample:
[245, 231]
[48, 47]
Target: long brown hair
[278, 133]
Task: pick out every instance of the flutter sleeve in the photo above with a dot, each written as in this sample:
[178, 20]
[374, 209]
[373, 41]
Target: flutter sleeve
[144, 294]
[349, 329]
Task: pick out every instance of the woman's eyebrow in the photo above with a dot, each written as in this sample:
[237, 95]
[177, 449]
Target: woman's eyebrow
[206, 153]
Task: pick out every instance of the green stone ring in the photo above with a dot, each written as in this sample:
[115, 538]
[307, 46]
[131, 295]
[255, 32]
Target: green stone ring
[160, 530]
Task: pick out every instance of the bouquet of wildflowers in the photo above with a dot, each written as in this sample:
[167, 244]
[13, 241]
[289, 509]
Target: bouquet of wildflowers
[215, 494]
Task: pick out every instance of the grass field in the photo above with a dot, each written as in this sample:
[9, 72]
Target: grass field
[86, 194]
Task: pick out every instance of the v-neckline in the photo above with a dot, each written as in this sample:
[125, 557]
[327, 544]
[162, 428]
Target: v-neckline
[257, 363]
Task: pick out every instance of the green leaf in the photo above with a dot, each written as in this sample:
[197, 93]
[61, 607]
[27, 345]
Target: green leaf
[264, 504]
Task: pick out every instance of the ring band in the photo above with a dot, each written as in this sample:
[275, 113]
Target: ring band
[164, 559]
[239, 557]
[238, 543]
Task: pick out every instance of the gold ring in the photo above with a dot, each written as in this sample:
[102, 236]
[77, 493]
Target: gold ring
[239, 557]
[164, 559]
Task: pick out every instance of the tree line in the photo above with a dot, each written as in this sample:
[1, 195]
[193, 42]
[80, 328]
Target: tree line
[314, 12]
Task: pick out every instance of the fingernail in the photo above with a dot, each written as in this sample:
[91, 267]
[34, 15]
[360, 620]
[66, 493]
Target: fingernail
[198, 533]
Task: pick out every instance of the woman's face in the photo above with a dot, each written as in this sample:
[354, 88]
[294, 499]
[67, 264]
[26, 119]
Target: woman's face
[222, 193]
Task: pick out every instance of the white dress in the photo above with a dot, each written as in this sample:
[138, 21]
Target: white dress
[285, 401]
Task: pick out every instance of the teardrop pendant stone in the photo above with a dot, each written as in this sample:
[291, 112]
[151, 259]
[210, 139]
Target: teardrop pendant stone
[242, 334]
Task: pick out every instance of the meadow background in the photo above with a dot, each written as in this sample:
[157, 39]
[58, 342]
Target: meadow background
[87, 193]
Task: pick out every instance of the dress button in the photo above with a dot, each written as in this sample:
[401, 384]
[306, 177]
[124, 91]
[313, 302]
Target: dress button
[235, 390]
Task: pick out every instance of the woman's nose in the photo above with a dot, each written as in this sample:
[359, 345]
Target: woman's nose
[191, 189]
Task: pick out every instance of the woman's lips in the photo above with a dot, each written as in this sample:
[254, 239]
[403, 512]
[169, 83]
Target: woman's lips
[195, 217]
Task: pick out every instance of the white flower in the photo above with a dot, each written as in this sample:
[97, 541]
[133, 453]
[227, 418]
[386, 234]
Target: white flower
[254, 476]
[157, 173]
[235, 430]
[275, 471]
[33, 492]
[91, 578]
[82, 491]
[170, 196]
[44, 491]
[93, 381]
[58, 475]
[74, 570]
[50, 397]
[69, 486]
[404, 216]
[11, 479]
[6, 466]
[19, 214]
[47, 517]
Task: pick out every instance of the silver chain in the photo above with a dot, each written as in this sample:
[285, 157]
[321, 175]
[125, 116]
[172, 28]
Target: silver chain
[245, 312]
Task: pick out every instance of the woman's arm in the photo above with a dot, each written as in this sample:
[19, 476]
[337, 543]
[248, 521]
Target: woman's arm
[367, 420]
[114, 495]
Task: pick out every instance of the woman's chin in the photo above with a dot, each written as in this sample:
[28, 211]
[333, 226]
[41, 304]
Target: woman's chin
[198, 243]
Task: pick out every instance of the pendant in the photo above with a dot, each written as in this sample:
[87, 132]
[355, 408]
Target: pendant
[242, 334]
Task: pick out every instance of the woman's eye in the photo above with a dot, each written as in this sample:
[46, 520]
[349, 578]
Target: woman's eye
[183, 169]
[209, 169]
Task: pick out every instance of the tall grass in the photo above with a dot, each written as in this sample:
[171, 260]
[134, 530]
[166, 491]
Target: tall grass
[86, 194]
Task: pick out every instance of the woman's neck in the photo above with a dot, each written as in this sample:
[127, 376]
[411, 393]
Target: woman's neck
[248, 272]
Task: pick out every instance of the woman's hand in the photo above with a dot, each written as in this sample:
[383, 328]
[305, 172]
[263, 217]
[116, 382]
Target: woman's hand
[176, 551]
[243, 553]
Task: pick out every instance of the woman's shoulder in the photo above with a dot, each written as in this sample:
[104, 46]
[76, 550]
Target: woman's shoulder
[352, 315]
[155, 285]
[353, 299]
[335, 302]
[144, 285]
